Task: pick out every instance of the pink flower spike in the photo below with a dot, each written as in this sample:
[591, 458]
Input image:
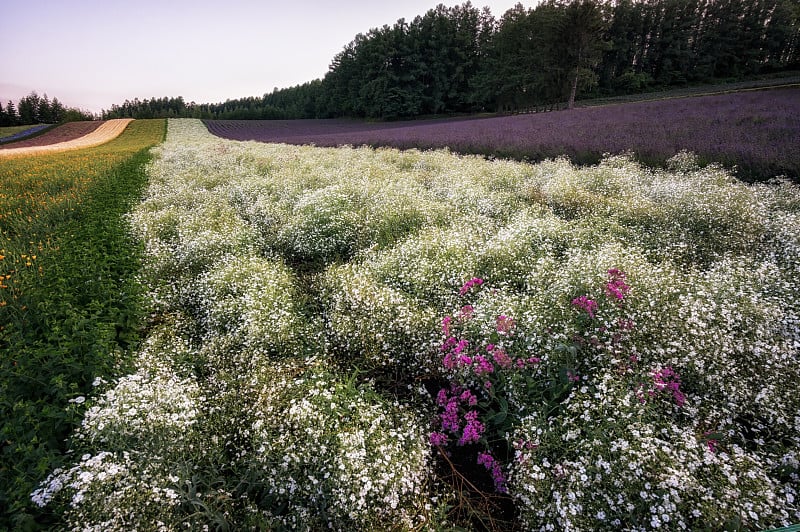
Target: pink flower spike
[446, 325]
[504, 324]
[482, 365]
[475, 281]
[438, 439]
[501, 358]
[584, 303]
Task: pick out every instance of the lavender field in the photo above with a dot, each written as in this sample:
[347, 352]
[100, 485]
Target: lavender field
[757, 132]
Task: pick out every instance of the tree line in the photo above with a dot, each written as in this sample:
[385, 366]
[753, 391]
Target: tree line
[462, 59]
[35, 109]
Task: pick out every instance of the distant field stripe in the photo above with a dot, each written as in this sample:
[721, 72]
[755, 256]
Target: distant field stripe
[104, 133]
[12, 133]
[59, 133]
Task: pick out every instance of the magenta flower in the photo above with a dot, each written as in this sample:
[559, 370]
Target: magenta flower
[467, 311]
[482, 365]
[616, 287]
[462, 344]
[501, 358]
[446, 325]
[450, 416]
[472, 430]
[504, 324]
[469, 398]
[475, 281]
[667, 380]
[441, 397]
[438, 439]
[584, 303]
[449, 343]
[489, 462]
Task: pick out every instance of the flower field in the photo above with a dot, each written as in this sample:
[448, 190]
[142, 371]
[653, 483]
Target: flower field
[757, 132]
[15, 133]
[69, 302]
[365, 339]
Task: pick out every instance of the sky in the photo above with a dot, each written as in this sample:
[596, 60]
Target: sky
[92, 54]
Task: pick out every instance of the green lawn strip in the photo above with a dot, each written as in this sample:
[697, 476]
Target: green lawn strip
[78, 310]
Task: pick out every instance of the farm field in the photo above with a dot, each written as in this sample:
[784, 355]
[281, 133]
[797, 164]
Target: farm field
[62, 133]
[68, 137]
[69, 305]
[13, 133]
[374, 339]
[755, 131]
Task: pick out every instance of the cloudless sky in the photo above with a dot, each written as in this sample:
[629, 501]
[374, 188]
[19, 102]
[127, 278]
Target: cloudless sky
[95, 53]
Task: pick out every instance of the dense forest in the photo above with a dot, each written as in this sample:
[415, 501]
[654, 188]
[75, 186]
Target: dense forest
[35, 109]
[462, 59]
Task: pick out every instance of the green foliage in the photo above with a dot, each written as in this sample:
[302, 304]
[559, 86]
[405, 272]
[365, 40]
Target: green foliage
[71, 306]
[462, 59]
[35, 109]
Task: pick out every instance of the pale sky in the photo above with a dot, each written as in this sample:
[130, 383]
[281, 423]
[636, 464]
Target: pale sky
[94, 53]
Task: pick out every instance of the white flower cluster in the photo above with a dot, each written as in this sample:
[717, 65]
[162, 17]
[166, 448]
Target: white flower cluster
[269, 263]
[113, 491]
[335, 456]
[144, 406]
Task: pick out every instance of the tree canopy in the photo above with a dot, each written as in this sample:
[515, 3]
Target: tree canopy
[463, 59]
[35, 109]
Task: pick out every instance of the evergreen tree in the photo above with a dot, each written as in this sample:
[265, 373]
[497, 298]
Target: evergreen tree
[11, 113]
[28, 109]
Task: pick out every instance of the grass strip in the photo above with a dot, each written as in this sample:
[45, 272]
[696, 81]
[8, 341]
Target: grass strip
[70, 306]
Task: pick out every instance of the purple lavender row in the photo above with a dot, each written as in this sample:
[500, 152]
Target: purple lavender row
[759, 132]
[25, 133]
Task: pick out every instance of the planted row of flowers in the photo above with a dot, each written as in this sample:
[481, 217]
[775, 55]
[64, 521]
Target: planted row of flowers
[597, 348]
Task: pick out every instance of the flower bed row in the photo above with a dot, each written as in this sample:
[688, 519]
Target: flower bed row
[375, 339]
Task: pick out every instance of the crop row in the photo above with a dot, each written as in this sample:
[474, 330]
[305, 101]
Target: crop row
[756, 132]
[69, 303]
[377, 339]
[52, 141]
[14, 133]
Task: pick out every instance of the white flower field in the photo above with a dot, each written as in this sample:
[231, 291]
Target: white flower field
[364, 339]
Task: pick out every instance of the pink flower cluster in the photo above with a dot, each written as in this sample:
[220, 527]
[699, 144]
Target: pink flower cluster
[475, 281]
[665, 381]
[454, 401]
[616, 287]
[584, 303]
[504, 324]
[489, 462]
